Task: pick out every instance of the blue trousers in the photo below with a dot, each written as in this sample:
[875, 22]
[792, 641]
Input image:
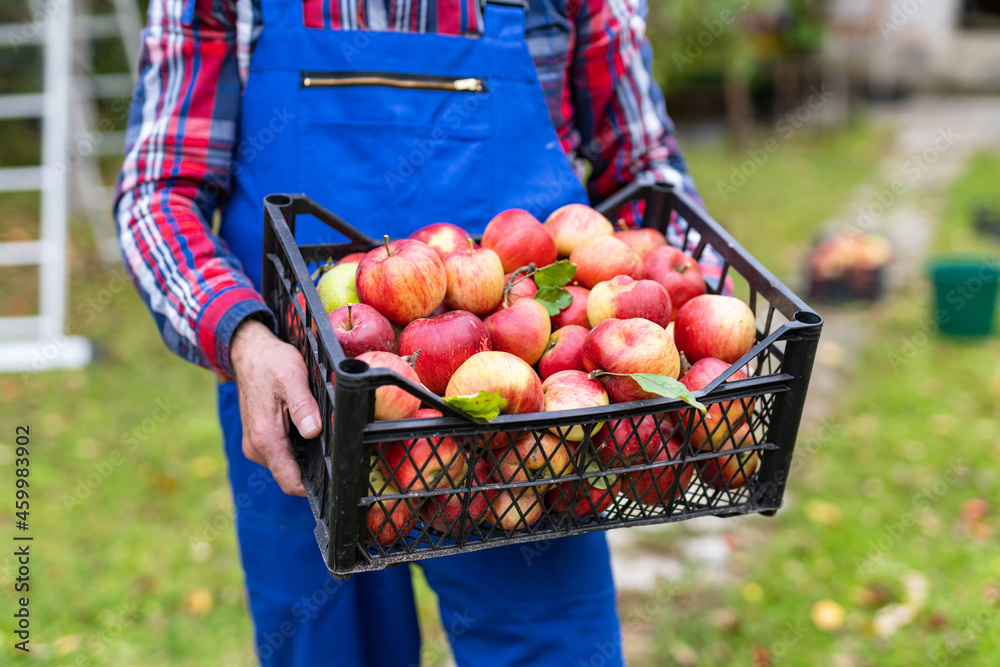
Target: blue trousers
[550, 603]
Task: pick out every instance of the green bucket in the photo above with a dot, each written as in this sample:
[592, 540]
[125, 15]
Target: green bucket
[966, 294]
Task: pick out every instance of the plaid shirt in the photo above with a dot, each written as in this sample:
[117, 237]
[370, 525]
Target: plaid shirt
[593, 62]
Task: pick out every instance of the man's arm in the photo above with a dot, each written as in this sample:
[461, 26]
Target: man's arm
[179, 150]
[626, 134]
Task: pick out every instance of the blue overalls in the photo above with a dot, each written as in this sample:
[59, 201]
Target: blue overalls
[393, 131]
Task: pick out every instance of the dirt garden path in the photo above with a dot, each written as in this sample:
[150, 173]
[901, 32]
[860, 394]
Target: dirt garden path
[935, 137]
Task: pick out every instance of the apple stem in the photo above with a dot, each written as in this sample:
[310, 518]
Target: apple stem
[472, 244]
[388, 252]
[685, 364]
[411, 359]
[622, 224]
[350, 320]
[516, 277]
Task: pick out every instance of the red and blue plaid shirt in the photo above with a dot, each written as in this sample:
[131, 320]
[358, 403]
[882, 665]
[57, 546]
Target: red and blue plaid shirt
[593, 62]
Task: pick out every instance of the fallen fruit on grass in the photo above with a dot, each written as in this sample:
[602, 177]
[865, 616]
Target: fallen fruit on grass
[337, 286]
[360, 328]
[388, 520]
[404, 280]
[717, 326]
[444, 237]
[573, 390]
[629, 346]
[475, 280]
[678, 272]
[519, 239]
[602, 258]
[564, 351]
[445, 343]
[522, 328]
[733, 470]
[624, 298]
[572, 224]
[392, 402]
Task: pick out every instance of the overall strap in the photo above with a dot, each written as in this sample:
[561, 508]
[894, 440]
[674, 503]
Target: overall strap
[504, 19]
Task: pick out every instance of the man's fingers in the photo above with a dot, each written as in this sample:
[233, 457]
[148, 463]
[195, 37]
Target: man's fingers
[282, 464]
[302, 407]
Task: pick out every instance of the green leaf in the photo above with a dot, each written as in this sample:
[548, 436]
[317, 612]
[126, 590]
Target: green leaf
[554, 299]
[555, 275]
[483, 407]
[667, 387]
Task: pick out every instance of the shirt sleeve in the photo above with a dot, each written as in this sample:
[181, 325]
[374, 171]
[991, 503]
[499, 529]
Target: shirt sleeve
[626, 134]
[179, 150]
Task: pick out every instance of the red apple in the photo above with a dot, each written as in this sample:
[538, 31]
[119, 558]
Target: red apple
[445, 342]
[576, 312]
[392, 402]
[403, 280]
[653, 486]
[353, 258]
[524, 286]
[533, 457]
[444, 237]
[423, 464]
[733, 470]
[602, 258]
[573, 390]
[523, 329]
[678, 272]
[629, 346]
[519, 239]
[475, 280]
[388, 520]
[574, 223]
[443, 512]
[620, 445]
[715, 425]
[717, 326]
[515, 509]
[625, 298]
[564, 351]
[360, 328]
[641, 240]
[503, 373]
[584, 498]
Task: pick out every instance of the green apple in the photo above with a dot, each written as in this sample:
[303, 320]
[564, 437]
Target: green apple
[336, 286]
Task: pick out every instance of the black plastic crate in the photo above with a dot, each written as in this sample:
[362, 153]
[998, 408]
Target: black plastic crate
[763, 409]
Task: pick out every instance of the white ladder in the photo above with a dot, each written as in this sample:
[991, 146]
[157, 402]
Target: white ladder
[40, 342]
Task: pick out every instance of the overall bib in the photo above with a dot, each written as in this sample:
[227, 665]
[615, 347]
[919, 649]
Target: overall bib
[393, 131]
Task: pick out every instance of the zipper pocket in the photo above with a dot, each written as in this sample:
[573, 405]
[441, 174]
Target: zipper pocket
[391, 80]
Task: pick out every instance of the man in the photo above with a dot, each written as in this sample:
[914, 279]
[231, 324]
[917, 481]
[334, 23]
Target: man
[393, 114]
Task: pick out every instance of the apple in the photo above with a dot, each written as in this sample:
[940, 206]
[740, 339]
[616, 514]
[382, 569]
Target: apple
[337, 286]
[533, 457]
[524, 286]
[443, 512]
[352, 258]
[602, 258]
[717, 326]
[444, 237]
[392, 402]
[475, 280]
[624, 298]
[423, 464]
[641, 240]
[678, 272]
[522, 328]
[715, 425]
[564, 351]
[445, 342]
[653, 486]
[573, 390]
[585, 497]
[503, 373]
[570, 225]
[515, 509]
[629, 346]
[388, 520]
[619, 446]
[733, 470]
[360, 328]
[519, 239]
[576, 312]
[403, 280]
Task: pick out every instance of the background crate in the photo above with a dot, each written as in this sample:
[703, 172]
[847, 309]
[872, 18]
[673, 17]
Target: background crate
[336, 467]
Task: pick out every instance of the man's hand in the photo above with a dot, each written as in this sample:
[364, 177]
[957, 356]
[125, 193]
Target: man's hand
[273, 387]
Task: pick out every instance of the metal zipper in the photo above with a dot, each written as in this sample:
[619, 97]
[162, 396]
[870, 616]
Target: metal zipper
[390, 80]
